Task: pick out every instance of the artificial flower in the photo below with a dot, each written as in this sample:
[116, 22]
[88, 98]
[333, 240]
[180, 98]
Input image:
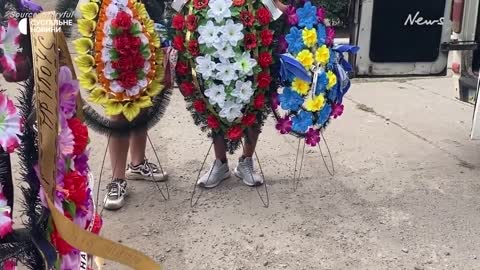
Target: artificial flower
[69, 89]
[97, 223]
[245, 64]
[290, 100]
[265, 59]
[187, 89]
[284, 125]
[292, 17]
[264, 80]
[122, 21]
[128, 79]
[219, 10]
[235, 133]
[10, 45]
[263, 16]
[322, 82]
[200, 4]
[238, 3]
[193, 47]
[249, 119]
[333, 59]
[81, 164]
[216, 95]
[312, 137]
[61, 245]
[10, 265]
[320, 14]
[226, 72]
[232, 32]
[243, 91]
[305, 57]
[178, 22]
[259, 101]
[332, 79]
[191, 22]
[199, 106]
[321, 35]
[295, 40]
[282, 45]
[208, 33]
[266, 37]
[330, 35]
[29, 5]
[80, 135]
[247, 18]
[302, 121]
[213, 122]
[337, 110]
[66, 142]
[9, 125]
[250, 41]
[71, 260]
[181, 68]
[127, 44]
[205, 66]
[76, 188]
[178, 43]
[300, 86]
[324, 115]
[274, 100]
[315, 104]
[309, 37]
[223, 50]
[307, 15]
[231, 111]
[6, 221]
[322, 55]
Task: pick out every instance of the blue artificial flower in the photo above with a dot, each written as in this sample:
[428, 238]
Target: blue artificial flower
[324, 114]
[295, 40]
[332, 62]
[307, 16]
[302, 121]
[333, 93]
[290, 100]
[321, 34]
[322, 82]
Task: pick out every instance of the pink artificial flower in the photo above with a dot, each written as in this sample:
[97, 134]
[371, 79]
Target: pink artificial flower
[312, 137]
[337, 110]
[330, 35]
[9, 125]
[274, 100]
[292, 17]
[6, 221]
[10, 44]
[320, 14]
[9, 265]
[71, 261]
[69, 89]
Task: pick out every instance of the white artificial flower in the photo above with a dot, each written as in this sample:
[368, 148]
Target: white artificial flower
[135, 90]
[223, 50]
[226, 71]
[112, 11]
[245, 64]
[106, 55]
[108, 70]
[231, 110]
[216, 95]
[205, 66]
[147, 67]
[208, 33]
[219, 9]
[116, 87]
[232, 32]
[243, 91]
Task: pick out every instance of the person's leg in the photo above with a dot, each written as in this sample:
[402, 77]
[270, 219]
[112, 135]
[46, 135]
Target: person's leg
[251, 142]
[245, 169]
[219, 171]
[138, 144]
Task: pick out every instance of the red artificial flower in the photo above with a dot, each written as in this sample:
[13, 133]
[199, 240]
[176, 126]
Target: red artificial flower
[97, 223]
[127, 44]
[193, 47]
[192, 22]
[61, 245]
[80, 135]
[265, 59]
[181, 68]
[212, 122]
[123, 21]
[238, 3]
[178, 43]
[76, 188]
[200, 4]
[247, 18]
[263, 16]
[187, 89]
[264, 80]
[235, 133]
[249, 119]
[250, 41]
[178, 22]
[137, 60]
[259, 101]
[199, 106]
[267, 37]
[128, 79]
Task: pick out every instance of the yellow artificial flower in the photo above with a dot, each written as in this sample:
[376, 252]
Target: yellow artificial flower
[332, 79]
[306, 58]
[315, 104]
[99, 96]
[131, 110]
[83, 45]
[88, 80]
[142, 11]
[301, 87]
[155, 39]
[86, 27]
[85, 62]
[309, 37]
[113, 107]
[322, 56]
[144, 102]
[149, 26]
[154, 88]
[89, 10]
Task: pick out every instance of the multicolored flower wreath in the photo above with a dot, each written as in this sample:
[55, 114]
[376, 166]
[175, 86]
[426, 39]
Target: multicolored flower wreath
[121, 62]
[224, 59]
[314, 73]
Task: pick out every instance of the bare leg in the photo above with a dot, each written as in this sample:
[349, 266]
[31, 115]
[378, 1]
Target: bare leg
[118, 153]
[251, 143]
[138, 144]
[220, 148]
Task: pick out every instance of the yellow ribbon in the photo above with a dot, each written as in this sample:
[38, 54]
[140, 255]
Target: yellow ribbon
[46, 62]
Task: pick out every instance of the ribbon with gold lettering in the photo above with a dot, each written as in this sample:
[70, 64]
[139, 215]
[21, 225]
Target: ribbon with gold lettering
[46, 62]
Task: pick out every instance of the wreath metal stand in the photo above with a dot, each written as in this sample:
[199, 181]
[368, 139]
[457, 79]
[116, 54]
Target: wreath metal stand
[299, 167]
[196, 197]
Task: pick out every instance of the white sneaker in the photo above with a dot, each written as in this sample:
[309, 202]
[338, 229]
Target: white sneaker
[146, 171]
[217, 173]
[116, 193]
[245, 171]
